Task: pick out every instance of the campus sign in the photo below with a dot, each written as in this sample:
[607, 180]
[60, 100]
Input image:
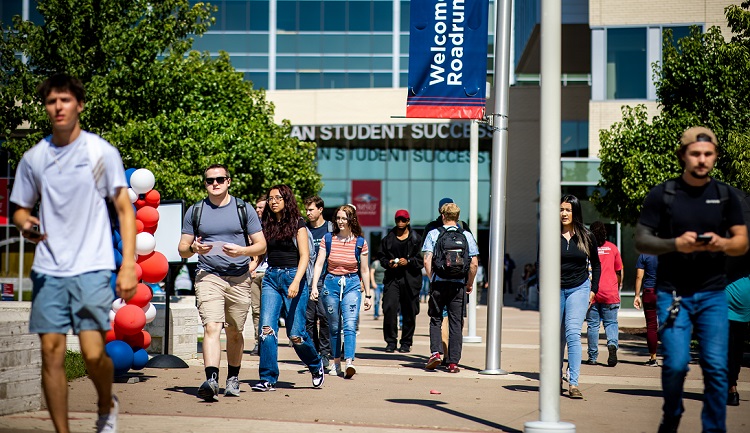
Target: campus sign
[447, 59]
[418, 131]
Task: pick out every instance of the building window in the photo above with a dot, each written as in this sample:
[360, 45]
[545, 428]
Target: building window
[627, 66]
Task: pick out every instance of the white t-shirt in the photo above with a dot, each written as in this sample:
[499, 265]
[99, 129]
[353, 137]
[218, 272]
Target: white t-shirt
[72, 213]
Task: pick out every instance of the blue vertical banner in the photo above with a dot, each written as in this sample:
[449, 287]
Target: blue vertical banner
[447, 59]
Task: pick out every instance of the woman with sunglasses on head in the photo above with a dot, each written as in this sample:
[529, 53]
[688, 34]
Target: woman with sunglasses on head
[345, 252]
[284, 285]
[577, 292]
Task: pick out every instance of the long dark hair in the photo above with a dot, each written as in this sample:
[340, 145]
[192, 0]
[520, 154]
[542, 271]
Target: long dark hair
[351, 215]
[584, 238]
[600, 232]
[286, 227]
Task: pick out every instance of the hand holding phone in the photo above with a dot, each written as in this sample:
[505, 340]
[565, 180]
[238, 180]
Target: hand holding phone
[33, 234]
[704, 239]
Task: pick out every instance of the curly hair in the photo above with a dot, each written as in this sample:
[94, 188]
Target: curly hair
[284, 228]
[600, 232]
[351, 215]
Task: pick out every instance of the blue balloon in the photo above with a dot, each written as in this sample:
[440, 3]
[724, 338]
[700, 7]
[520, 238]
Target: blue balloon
[118, 258]
[140, 358]
[119, 246]
[113, 283]
[121, 354]
[129, 172]
[116, 238]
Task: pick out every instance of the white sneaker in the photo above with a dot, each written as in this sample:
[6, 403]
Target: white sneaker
[108, 423]
[335, 369]
[350, 369]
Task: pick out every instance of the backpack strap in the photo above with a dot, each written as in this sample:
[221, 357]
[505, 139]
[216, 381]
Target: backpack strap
[358, 249]
[327, 239]
[670, 190]
[197, 211]
[330, 226]
[242, 214]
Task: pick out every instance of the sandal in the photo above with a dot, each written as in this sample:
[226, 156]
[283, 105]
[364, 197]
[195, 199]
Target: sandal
[574, 392]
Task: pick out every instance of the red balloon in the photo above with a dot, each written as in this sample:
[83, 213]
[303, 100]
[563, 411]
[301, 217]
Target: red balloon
[138, 272]
[138, 226]
[140, 203]
[142, 295]
[139, 340]
[111, 334]
[129, 320]
[155, 267]
[153, 198]
[148, 215]
[151, 230]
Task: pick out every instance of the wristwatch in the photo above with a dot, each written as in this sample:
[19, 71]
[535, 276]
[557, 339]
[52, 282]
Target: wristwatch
[368, 296]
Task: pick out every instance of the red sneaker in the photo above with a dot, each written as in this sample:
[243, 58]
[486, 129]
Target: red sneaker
[433, 362]
[453, 368]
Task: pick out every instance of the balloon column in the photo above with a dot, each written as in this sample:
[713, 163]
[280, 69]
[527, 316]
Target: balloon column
[126, 340]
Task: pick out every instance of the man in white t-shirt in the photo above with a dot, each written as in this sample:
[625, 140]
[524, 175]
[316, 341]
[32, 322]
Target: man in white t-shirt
[74, 258]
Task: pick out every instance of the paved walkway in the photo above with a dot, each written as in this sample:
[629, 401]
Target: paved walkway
[393, 393]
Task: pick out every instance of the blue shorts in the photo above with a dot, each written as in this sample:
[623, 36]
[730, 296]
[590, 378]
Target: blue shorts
[81, 302]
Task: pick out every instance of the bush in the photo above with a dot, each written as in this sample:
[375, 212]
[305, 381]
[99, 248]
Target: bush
[74, 365]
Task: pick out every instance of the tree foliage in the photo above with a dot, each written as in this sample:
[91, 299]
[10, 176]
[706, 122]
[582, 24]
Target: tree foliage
[704, 80]
[165, 107]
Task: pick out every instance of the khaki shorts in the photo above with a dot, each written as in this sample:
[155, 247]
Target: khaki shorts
[223, 299]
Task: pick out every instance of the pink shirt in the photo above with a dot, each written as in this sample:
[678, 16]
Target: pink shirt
[342, 260]
[609, 256]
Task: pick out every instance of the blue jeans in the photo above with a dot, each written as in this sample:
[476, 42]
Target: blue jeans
[342, 311]
[573, 305]
[705, 314]
[606, 313]
[273, 295]
[376, 300]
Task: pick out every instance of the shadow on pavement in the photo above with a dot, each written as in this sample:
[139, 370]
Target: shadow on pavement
[437, 406]
[654, 393]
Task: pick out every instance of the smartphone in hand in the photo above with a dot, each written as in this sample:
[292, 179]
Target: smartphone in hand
[34, 234]
[704, 239]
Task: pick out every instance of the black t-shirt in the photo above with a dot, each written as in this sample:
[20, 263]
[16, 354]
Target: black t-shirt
[573, 263]
[697, 209]
[318, 233]
[283, 253]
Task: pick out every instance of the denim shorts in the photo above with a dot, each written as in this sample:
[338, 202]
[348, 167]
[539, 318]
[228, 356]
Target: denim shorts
[81, 302]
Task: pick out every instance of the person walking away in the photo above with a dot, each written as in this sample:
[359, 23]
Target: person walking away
[508, 265]
[577, 292]
[645, 297]
[285, 285]
[400, 252]
[606, 304]
[223, 281]
[69, 173]
[377, 273]
[684, 222]
[315, 315]
[345, 253]
[450, 257]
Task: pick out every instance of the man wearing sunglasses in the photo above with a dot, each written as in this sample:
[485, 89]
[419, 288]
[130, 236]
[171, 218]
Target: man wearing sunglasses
[223, 281]
[400, 253]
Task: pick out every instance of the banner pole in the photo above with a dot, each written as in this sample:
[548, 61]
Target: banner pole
[472, 336]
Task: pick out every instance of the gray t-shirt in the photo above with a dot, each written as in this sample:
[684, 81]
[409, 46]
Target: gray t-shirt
[72, 212]
[222, 224]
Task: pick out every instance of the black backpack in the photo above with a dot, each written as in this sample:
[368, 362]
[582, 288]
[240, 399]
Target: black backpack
[241, 213]
[450, 257]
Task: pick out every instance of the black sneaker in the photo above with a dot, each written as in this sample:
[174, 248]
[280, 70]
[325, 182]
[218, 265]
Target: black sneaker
[390, 348]
[669, 425]
[612, 359]
[254, 352]
[263, 387]
[405, 348]
[591, 361]
[319, 377]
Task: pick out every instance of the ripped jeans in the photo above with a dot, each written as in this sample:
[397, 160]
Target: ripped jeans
[342, 297]
[274, 292]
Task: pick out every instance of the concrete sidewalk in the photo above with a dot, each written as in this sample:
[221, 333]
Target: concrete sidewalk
[392, 392]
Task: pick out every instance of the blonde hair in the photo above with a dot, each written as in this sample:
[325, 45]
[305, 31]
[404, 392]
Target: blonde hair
[450, 211]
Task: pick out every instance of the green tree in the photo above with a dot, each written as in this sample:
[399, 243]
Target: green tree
[165, 107]
[703, 80]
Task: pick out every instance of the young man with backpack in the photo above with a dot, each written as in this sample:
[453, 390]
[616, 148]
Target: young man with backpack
[225, 235]
[685, 221]
[450, 258]
[316, 320]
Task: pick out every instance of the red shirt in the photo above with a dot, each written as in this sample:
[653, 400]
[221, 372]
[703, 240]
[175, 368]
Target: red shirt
[609, 290]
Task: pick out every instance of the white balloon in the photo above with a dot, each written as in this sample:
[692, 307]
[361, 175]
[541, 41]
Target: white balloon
[132, 195]
[142, 181]
[144, 243]
[111, 316]
[150, 312]
[117, 304]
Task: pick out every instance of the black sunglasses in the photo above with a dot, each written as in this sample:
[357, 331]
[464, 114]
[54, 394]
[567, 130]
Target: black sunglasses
[220, 179]
[402, 219]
